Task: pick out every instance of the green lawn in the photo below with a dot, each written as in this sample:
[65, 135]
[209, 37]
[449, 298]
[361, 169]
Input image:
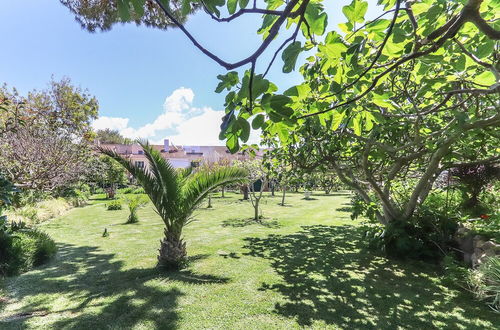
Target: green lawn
[304, 266]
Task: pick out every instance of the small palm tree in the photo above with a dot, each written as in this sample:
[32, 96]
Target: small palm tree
[175, 195]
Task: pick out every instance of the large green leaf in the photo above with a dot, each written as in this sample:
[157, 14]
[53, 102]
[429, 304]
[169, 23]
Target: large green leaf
[316, 18]
[355, 12]
[290, 55]
[228, 80]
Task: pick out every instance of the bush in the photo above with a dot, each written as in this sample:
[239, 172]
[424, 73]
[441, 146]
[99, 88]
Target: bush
[40, 211]
[114, 205]
[485, 282]
[426, 236]
[23, 250]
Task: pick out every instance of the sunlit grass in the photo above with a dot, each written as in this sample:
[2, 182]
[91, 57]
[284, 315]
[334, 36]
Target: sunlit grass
[303, 266]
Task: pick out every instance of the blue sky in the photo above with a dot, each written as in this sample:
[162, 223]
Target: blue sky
[149, 83]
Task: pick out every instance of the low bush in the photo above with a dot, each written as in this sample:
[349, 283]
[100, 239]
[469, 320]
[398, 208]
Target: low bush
[127, 190]
[40, 211]
[485, 282]
[22, 250]
[426, 236]
[114, 205]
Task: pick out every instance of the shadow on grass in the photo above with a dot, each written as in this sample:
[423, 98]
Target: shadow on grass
[328, 277]
[99, 293]
[344, 209]
[236, 222]
[337, 193]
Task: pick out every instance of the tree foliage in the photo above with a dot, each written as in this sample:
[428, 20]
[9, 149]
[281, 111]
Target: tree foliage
[111, 136]
[101, 15]
[48, 146]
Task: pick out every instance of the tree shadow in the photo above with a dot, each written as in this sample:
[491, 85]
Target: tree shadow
[238, 222]
[328, 276]
[99, 292]
[337, 193]
[344, 209]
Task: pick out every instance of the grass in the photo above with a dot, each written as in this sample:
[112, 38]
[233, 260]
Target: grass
[304, 265]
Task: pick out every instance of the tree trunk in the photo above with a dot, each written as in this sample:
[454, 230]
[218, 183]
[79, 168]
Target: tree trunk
[283, 197]
[272, 189]
[209, 202]
[223, 188]
[172, 252]
[245, 192]
[256, 210]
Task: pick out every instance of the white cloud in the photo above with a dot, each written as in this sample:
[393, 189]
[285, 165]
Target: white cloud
[190, 125]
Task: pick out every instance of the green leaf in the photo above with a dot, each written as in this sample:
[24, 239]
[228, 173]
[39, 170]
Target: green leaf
[290, 55]
[487, 78]
[355, 12]
[232, 143]
[258, 121]
[333, 47]
[356, 124]
[243, 3]
[338, 117]
[228, 80]
[231, 6]
[245, 129]
[316, 18]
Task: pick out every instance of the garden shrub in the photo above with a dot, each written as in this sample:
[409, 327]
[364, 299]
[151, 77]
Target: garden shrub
[426, 237]
[114, 205]
[485, 282]
[22, 250]
[40, 211]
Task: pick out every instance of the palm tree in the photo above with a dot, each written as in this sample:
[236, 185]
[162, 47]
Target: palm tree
[175, 195]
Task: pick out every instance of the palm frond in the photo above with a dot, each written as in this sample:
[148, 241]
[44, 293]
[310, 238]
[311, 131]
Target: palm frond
[198, 185]
[167, 190]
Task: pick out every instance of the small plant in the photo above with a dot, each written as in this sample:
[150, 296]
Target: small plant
[485, 282]
[114, 205]
[134, 204]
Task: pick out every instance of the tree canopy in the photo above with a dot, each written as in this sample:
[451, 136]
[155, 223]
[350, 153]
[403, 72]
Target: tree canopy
[49, 135]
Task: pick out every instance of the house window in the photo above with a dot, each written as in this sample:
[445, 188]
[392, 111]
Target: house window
[195, 163]
[139, 164]
[140, 152]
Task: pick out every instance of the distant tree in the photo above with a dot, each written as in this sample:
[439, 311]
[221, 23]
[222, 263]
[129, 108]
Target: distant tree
[111, 136]
[99, 15]
[10, 111]
[257, 180]
[175, 195]
[106, 173]
[51, 145]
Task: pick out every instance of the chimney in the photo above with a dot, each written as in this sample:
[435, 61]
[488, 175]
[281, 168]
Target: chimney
[166, 145]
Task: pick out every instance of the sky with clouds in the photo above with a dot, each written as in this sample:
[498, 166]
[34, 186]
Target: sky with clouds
[180, 122]
[150, 84]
